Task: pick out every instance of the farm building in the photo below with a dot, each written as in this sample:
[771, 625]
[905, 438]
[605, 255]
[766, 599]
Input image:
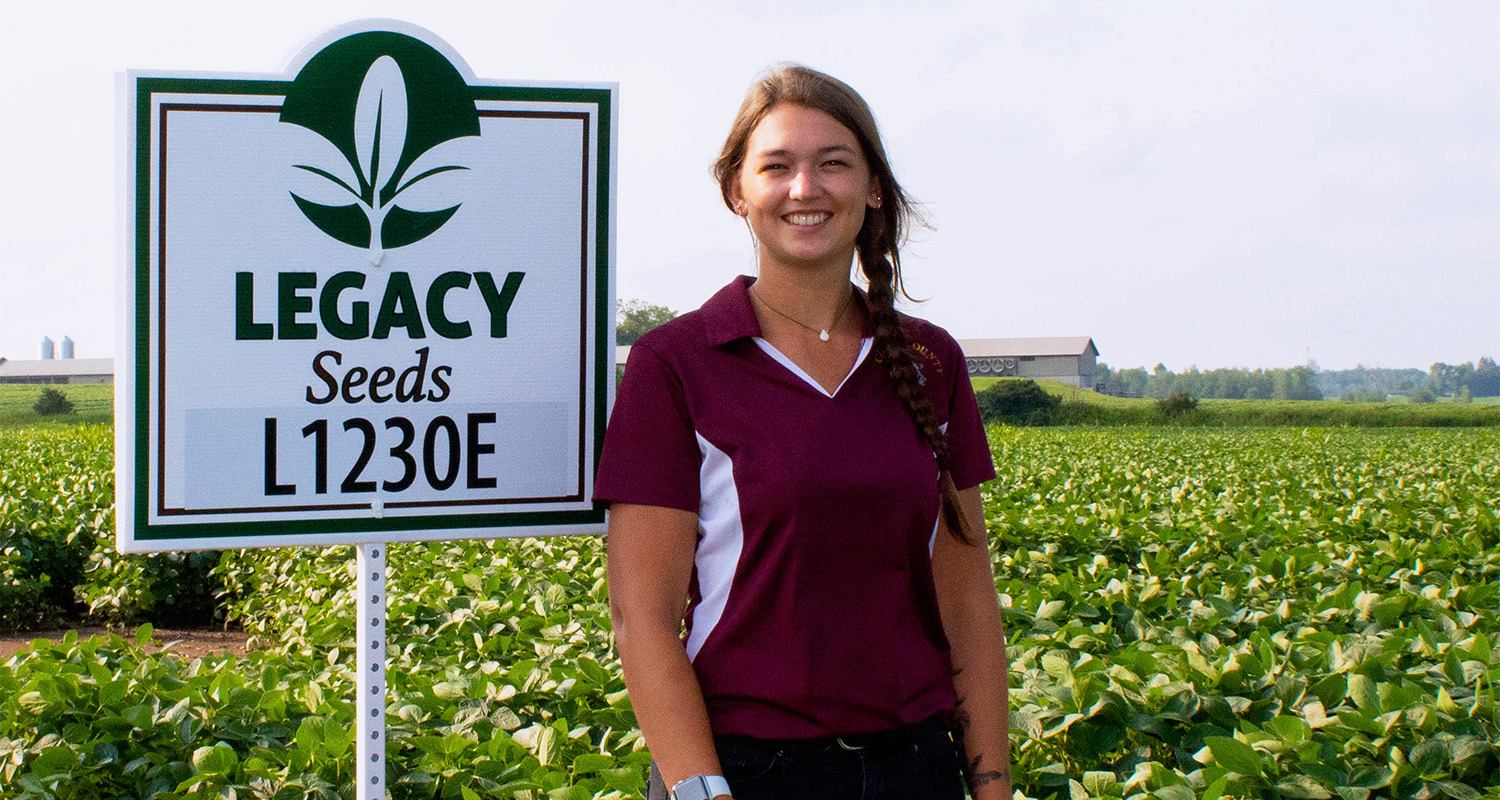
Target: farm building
[58, 370]
[1067, 359]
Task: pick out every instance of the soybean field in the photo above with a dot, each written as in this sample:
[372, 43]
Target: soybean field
[1193, 612]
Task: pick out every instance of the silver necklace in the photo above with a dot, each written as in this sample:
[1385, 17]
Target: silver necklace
[821, 332]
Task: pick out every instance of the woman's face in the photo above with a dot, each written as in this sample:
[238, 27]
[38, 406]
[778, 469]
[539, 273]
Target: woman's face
[804, 188]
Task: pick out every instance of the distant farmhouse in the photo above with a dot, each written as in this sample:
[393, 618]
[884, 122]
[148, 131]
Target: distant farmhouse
[1066, 359]
[58, 370]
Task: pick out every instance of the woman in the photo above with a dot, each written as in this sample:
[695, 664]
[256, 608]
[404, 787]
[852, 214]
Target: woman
[799, 464]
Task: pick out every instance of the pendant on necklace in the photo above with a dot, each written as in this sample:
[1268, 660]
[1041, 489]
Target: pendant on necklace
[823, 335]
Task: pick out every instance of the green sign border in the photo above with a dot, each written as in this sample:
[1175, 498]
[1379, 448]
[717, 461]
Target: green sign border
[144, 90]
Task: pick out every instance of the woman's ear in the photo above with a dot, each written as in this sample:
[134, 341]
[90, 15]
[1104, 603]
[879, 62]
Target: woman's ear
[874, 199]
[736, 197]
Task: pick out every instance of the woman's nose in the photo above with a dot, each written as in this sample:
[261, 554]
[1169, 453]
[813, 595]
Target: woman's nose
[803, 185]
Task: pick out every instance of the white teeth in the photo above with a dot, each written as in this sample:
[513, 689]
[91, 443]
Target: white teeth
[806, 219]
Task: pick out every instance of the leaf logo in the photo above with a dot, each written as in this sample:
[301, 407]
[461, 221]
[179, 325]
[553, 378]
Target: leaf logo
[391, 106]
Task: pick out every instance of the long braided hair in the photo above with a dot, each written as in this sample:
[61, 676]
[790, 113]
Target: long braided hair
[877, 245]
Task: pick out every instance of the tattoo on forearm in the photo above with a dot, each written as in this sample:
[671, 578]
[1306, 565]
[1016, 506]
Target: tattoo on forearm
[970, 764]
[987, 777]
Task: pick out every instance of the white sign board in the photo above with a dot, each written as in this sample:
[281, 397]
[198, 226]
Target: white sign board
[366, 300]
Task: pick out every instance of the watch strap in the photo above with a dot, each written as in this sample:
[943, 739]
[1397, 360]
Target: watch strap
[701, 787]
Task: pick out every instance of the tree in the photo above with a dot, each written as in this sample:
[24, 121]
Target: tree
[1134, 380]
[638, 316]
[1160, 383]
[1444, 378]
[1485, 382]
[52, 402]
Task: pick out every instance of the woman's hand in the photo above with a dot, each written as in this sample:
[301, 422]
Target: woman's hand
[976, 638]
[650, 562]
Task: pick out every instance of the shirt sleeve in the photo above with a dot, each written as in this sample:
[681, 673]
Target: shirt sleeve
[651, 454]
[968, 447]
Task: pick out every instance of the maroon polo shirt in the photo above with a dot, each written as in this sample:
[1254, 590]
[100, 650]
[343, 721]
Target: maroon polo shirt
[812, 610]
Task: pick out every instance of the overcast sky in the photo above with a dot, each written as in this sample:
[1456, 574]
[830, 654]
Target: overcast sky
[1219, 184]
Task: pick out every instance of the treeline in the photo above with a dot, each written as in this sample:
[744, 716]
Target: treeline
[1367, 384]
[1295, 383]
[1456, 380]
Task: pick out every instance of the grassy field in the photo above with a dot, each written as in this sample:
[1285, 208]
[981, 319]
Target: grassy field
[1085, 407]
[92, 403]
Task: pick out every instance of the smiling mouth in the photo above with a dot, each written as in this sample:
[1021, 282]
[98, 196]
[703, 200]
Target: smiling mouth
[807, 219]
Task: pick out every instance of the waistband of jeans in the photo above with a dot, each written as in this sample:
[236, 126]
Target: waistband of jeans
[896, 739]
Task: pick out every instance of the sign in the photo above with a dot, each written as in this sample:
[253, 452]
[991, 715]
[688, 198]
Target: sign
[366, 300]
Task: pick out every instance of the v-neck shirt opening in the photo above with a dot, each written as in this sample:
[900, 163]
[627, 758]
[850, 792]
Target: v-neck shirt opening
[791, 366]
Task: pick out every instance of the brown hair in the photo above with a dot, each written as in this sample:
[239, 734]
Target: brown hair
[877, 244]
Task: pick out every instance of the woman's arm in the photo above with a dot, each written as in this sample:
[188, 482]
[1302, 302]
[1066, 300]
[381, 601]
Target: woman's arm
[976, 636]
[650, 562]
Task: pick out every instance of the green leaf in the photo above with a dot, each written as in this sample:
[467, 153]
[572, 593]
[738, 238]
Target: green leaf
[219, 759]
[1302, 787]
[143, 635]
[1174, 792]
[1362, 691]
[1467, 747]
[1331, 690]
[1370, 778]
[1430, 757]
[337, 739]
[309, 734]
[1099, 783]
[33, 703]
[1458, 791]
[1289, 729]
[592, 762]
[1235, 756]
[1479, 650]
[624, 779]
[54, 761]
[1361, 723]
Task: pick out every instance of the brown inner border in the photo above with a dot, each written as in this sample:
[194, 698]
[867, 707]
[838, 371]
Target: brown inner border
[161, 435]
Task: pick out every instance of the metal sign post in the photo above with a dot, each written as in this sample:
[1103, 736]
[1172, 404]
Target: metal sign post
[367, 299]
[370, 663]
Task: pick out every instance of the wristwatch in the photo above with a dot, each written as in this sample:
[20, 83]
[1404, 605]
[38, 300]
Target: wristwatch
[701, 787]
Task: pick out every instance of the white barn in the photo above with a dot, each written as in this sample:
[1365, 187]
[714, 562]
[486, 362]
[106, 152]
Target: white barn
[1067, 359]
[58, 370]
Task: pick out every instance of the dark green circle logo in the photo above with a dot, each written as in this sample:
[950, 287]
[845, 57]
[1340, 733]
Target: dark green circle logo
[384, 100]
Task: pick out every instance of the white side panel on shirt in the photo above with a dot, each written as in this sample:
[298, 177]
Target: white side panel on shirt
[723, 538]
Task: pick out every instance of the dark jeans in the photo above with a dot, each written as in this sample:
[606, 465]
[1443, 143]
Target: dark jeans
[915, 763]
